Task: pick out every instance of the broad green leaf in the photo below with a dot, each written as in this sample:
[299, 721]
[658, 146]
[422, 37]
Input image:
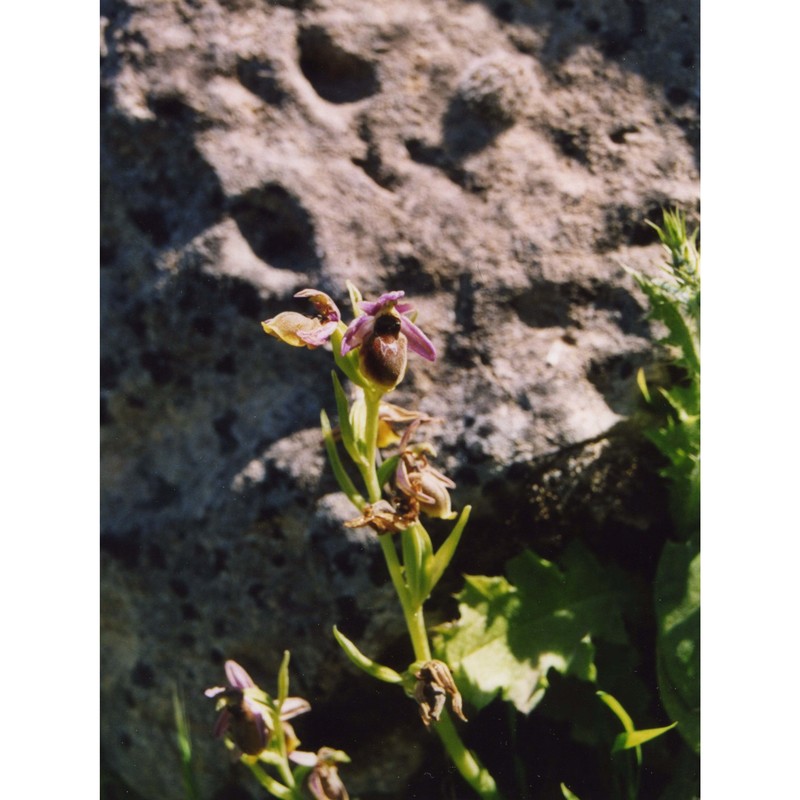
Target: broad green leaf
[568, 795]
[677, 606]
[684, 781]
[365, 663]
[512, 631]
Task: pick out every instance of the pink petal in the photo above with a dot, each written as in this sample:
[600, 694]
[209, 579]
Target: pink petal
[303, 758]
[294, 706]
[417, 340]
[384, 300]
[318, 337]
[356, 332]
[237, 676]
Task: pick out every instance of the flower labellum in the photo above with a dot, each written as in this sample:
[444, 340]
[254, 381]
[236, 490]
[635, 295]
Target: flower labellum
[301, 331]
[384, 335]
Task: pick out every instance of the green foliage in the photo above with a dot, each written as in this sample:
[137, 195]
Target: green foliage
[568, 795]
[630, 738]
[184, 747]
[365, 663]
[675, 302]
[511, 632]
[677, 602]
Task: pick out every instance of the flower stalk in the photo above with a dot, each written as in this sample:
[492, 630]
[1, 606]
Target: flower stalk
[372, 351]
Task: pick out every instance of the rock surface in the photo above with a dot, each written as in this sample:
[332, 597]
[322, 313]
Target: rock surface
[497, 160]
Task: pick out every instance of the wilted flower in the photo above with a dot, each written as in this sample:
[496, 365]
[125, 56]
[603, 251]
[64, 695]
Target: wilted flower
[417, 479]
[301, 331]
[383, 517]
[434, 683]
[383, 334]
[245, 718]
[324, 782]
[389, 416]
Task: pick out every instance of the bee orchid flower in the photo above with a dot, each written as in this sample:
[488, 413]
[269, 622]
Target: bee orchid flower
[244, 715]
[384, 334]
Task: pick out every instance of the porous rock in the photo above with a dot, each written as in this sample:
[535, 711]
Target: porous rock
[496, 160]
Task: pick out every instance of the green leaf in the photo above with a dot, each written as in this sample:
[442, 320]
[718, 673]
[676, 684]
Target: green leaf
[616, 707]
[677, 606]
[511, 632]
[342, 478]
[275, 788]
[349, 439]
[184, 746]
[634, 739]
[447, 550]
[283, 680]
[355, 298]
[631, 738]
[568, 795]
[369, 666]
[682, 332]
[387, 469]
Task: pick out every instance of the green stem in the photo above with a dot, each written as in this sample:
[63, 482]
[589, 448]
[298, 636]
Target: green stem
[473, 772]
[284, 768]
[370, 470]
[275, 788]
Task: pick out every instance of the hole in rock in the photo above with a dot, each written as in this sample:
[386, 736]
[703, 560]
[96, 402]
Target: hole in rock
[337, 75]
[277, 227]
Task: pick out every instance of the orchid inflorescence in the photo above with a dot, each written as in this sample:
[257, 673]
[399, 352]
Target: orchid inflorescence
[400, 485]
[256, 729]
